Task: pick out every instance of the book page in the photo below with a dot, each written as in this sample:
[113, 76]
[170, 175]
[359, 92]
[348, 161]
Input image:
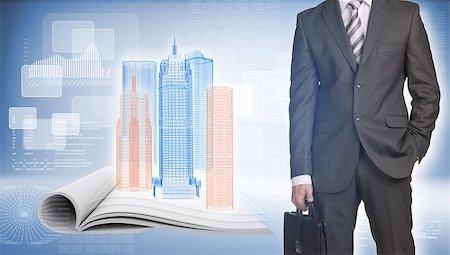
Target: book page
[192, 214]
[66, 208]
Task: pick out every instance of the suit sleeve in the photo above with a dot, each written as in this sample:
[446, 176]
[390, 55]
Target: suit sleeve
[302, 107]
[422, 85]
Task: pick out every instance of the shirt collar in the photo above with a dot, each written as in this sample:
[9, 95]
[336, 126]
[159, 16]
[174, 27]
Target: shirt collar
[344, 3]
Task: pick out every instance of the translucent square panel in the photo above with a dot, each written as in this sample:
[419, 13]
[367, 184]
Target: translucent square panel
[95, 111]
[41, 138]
[102, 38]
[62, 33]
[22, 117]
[41, 80]
[64, 124]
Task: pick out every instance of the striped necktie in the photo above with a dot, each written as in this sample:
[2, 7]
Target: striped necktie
[355, 30]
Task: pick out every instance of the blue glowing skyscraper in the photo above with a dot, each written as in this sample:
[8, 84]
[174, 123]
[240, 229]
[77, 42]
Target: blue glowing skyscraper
[202, 78]
[176, 129]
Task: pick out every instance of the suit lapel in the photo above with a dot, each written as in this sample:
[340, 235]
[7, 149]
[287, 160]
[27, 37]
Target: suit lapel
[379, 13]
[333, 19]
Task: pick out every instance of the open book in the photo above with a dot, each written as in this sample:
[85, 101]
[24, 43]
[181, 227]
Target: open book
[92, 204]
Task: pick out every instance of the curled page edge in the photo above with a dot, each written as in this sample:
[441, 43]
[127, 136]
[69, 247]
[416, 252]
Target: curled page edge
[65, 209]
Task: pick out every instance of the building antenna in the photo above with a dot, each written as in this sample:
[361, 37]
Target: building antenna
[174, 47]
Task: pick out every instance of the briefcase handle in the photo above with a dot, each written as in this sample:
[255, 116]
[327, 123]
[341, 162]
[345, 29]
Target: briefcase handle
[310, 209]
[310, 214]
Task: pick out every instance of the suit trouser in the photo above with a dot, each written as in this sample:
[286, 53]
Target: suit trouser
[387, 203]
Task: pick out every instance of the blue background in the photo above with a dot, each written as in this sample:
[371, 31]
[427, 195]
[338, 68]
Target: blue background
[259, 34]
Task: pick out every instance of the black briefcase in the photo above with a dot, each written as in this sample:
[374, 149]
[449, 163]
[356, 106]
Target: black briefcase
[304, 234]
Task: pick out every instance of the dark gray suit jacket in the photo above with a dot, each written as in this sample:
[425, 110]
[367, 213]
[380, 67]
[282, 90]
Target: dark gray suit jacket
[337, 104]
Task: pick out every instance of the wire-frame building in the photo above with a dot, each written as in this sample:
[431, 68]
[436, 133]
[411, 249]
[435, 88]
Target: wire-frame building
[176, 177]
[219, 148]
[134, 128]
[202, 78]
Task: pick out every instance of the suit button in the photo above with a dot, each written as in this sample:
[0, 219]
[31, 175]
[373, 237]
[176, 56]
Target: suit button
[358, 85]
[358, 118]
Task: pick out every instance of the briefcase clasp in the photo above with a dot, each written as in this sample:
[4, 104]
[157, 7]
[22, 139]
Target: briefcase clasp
[298, 246]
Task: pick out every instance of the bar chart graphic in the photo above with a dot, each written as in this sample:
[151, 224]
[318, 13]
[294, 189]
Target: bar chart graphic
[88, 65]
[46, 77]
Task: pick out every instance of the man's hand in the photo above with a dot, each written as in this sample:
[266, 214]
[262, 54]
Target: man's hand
[300, 193]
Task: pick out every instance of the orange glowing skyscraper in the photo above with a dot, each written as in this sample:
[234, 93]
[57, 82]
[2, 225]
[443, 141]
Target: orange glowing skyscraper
[219, 148]
[134, 129]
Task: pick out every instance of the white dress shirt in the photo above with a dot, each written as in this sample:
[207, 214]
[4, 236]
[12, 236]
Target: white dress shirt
[346, 12]
[363, 12]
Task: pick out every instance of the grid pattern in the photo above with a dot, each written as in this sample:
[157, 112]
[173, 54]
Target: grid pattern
[134, 128]
[146, 82]
[175, 128]
[219, 148]
[202, 78]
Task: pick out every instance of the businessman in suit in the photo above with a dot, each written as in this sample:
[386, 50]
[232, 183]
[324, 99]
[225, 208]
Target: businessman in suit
[351, 138]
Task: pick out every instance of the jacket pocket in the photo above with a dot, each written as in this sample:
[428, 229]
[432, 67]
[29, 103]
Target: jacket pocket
[396, 121]
[390, 49]
[323, 126]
